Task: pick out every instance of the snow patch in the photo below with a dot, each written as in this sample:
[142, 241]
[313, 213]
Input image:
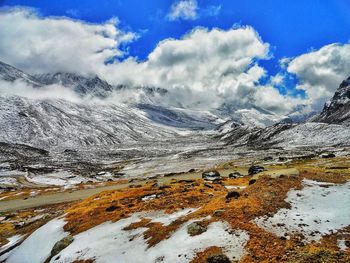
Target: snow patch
[37, 247]
[108, 242]
[316, 210]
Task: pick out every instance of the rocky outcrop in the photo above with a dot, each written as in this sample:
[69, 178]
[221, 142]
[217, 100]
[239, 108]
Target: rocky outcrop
[62, 244]
[196, 228]
[337, 110]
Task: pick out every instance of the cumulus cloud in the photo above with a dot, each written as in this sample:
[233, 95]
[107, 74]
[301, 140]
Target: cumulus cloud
[320, 72]
[183, 9]
[40, 45]
[204, 69]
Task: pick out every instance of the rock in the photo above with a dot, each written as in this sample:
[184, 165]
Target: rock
[235, 175]
[252, 181]
[62, 244]
[218, 212]
[255, 169]
[218, 258]
[347, 243]
[328, 155]
[210, 175]
[208, 185]
[233, 194]
[196, 228]
[111, 208]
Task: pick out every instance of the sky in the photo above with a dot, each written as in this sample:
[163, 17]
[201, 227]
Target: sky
[241, 51]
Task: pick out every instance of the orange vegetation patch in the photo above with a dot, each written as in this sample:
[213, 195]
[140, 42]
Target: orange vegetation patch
[265, 197]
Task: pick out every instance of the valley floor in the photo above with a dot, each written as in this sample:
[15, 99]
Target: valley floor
[295, 211]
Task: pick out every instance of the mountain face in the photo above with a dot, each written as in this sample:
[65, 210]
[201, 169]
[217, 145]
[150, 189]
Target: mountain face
[81, 85]
[9, 73]
[52, 123]
[337, 110]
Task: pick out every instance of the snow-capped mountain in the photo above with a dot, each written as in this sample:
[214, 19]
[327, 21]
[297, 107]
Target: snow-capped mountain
[337, 110]
[9, 73]
[46, 123]
[93, 86]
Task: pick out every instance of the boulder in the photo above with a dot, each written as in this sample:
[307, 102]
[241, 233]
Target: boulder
[235, 175]
[62, 244]
[255, 169]
[196, 228]
[218, 258]
[210, 175]
[328, 155]
[233, 194]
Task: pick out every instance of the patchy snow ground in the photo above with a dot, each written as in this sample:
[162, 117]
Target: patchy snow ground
[108, 242]
[317, 209]
[37, 247]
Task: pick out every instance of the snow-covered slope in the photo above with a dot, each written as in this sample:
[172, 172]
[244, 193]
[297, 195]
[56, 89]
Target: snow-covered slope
[9, 73]
[337, 110]
[93, 86]
[49, 123]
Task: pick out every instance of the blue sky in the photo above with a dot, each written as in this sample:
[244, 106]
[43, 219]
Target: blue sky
[291, 27]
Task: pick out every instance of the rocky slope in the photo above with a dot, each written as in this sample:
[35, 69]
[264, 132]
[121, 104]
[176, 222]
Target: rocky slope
[337, 110]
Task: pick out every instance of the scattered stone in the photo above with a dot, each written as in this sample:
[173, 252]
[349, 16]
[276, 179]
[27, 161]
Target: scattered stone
[218, 258]
[255, 169]
[196, 228]
[235, 175]
[111, 208]
[208, 185]
[210, 175]
[233, 194]
[252, 181]
[62, 244]
[328, 155]
[219, 212]
[347, 243]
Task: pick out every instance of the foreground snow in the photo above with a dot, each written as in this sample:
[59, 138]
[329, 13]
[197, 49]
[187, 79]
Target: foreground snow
[317, 209]
[37, 247]
[109, 242]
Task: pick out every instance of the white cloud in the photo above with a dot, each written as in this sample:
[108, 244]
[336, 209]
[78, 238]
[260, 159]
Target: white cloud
[320, 72]
[203, 69]
[39, 45]
[184, 9]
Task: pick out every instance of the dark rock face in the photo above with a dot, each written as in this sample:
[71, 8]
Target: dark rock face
[255, 169]
[218, 258]
[337, 111]
[210, 175]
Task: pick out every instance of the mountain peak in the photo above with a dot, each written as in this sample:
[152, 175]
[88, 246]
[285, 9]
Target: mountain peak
[337, 110]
